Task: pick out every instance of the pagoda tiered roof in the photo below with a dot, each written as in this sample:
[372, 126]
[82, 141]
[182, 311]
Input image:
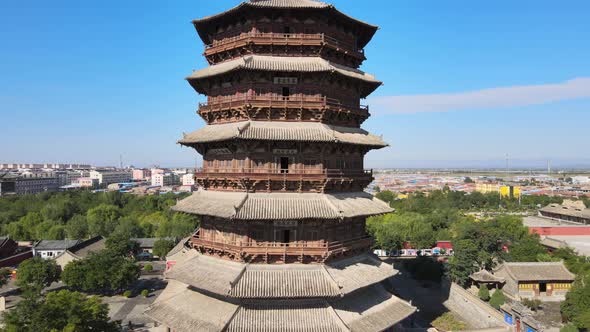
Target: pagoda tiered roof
[282, 206]
[370, 310]
[282, 131]
[368, 30]
[282, 64]
[260, 281]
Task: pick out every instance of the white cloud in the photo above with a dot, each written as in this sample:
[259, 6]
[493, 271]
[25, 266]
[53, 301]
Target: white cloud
[494, 98]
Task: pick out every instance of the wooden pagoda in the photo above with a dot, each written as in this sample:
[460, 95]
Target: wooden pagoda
[282, 243]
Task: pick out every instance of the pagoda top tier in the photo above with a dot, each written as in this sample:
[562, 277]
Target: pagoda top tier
[209, 27]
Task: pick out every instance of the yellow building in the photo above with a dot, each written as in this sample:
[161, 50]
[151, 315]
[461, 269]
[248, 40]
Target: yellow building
[510, 191]
[506, 191]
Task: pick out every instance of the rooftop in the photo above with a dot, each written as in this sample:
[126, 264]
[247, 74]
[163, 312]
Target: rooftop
[55, 244]
[282, 131]
[537, 271]
[282, 64]
[282, 206]
[568, 208]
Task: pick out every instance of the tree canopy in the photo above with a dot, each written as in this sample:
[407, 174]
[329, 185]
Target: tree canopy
[36, 273]
[60, 311]
[101, 272]
[82, 214]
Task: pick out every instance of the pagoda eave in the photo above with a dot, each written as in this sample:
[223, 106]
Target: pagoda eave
[241, 206]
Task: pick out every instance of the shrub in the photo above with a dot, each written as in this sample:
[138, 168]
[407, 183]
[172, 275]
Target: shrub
[484, 293]
[533, 304]
[569, 328]
[497, 299]
[145, 293]
[448, 322]
[127, 293]
[148, 268]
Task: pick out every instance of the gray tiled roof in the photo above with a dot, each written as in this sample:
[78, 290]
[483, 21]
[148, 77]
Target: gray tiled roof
[536, 271]
[253, 281]
[371, 310]
[282, 64]
[486, 276]
[282, 131]
[568, 208]
[55, 244]
[282, 206]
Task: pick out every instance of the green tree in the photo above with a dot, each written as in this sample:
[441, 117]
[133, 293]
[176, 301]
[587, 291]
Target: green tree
[569, 328]
[34, 274]
[576, 307]
[77, 227]
[60, 311]
[498, 299]
[101, 272]
[119, 244]
[102, 219]
[386, 196]
[484, 293]
[162, 247]
[464, 262]
[526, 249]
[5, 274]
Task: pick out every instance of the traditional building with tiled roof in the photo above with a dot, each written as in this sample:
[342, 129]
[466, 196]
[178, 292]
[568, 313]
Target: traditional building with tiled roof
[282, 244]
[546, 280]
[570, 211]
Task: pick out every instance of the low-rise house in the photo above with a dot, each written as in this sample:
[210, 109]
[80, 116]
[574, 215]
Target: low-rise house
[50, 249]
[81, 250]
[549, 281]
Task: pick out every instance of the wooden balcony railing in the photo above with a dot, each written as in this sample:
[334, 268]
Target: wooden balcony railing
[278, 101]
[294, 248]
[296, 39]
[311, 172]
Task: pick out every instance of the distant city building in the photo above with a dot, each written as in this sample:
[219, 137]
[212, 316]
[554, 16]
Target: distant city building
[141, 174]
[110, 176]
[16, 166]
[87, 182]
[188, 179]
[167, 179]
[155, 171]
[28, 184]
[507, 191]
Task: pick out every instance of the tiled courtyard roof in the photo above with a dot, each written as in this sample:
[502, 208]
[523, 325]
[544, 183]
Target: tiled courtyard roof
[282, 206]
[537, 271]
[253, 281]
[568, 208]
[485, 276]
[282, 131]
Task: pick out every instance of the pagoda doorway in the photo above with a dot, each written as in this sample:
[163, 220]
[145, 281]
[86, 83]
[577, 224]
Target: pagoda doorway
[284, 165]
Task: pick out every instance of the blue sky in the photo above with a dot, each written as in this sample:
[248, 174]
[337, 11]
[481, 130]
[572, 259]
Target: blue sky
[466, 82]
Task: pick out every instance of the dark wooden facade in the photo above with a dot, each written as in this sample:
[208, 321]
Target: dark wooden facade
[293, 96]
